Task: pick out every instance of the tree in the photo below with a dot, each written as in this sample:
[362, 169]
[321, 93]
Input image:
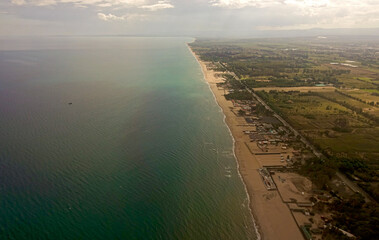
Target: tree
[341, 123]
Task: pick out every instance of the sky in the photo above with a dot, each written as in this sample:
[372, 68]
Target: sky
[182, 17]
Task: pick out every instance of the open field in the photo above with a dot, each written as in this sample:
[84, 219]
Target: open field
[355, 103]
[360, 140]
[311, 112]
[317, 118]
[293, 186]
[366, 95]
[300, 89]
[350, 82]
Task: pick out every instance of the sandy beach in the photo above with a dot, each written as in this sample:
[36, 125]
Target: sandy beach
[272, 216]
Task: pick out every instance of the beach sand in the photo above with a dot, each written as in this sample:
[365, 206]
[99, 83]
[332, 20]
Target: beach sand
[272, 216]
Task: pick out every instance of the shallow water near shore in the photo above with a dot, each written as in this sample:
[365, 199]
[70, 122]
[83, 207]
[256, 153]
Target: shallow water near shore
[141, 153]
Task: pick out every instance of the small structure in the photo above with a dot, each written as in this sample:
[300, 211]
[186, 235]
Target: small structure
[306, 233]
[249, 120]
[305, 204]
[256, 137]
[267, 179]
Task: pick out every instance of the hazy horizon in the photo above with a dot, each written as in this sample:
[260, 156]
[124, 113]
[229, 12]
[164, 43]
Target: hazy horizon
[196, 18]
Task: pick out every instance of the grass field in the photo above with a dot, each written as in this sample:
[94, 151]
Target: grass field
[363, 94]
[317, 118]
[355, 103]
[353, 82]
[300, 89]
[358, 141]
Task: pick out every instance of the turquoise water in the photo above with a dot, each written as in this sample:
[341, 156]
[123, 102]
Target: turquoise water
[142, 152]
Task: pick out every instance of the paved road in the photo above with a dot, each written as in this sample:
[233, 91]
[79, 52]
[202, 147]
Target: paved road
[354, 187]
[285, 123]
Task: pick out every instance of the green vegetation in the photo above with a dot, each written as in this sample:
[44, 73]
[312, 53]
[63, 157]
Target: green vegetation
[356, 216]
[320, 171]
[336, 127]
[351, 214]
[240, 95]
[294, 62]
[342, 121]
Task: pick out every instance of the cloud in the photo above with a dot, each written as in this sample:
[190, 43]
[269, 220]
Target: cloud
[315, 4]
[34, 2]
[308, 13]
[104, 5]
[110, 17]
[200, 15]
[18, 2]
[244, 3]
[152, 5]
[158, 6]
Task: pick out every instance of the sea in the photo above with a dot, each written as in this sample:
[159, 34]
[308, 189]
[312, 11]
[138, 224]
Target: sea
[114, 138]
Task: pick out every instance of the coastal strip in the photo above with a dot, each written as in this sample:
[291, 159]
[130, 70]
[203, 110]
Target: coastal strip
[272, 217]
[258, 233]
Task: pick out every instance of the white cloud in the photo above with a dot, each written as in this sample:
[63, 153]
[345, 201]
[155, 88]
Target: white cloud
[151, 5]
[104, 5]
[244, 3]
[158, 6]
[18, 2]
[248, 14]
[314, 4]
[34, 2]
[110, 17]
[309, 3]
[318, 13]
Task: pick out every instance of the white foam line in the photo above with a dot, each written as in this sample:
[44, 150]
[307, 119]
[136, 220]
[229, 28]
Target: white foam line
[234, 142]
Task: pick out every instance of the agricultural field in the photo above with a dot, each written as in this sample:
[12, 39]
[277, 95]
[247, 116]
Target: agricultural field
[300, 89]
[355, 103]
[297, 62]
[328, 124]
[327, 89]
[338, 131]
[359, 140]
[305, 111]
[366, 95]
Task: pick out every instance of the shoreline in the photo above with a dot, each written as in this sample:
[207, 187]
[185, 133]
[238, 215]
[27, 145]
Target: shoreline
[256, 225]
[271, 217]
